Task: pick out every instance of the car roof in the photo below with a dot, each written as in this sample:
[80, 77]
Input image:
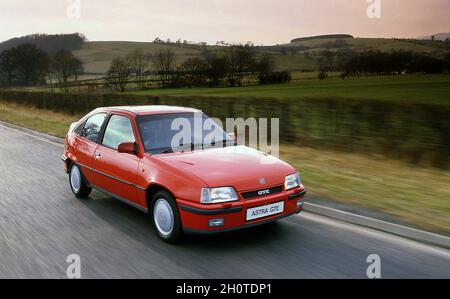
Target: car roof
[153, 109]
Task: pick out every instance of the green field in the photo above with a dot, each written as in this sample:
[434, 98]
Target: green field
[433, 89]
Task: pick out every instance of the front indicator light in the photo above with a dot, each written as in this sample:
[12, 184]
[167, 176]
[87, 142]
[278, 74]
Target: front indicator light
[216, 222]
[300, 203]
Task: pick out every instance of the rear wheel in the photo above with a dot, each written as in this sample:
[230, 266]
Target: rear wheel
[78, 183]
[165, 216]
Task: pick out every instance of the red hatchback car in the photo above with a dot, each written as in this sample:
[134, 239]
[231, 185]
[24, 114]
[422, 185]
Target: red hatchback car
[128, 153]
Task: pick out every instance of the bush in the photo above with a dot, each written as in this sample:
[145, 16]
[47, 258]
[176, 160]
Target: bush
[322, 75]
[395, 62]
[194, 72]
[274, 78]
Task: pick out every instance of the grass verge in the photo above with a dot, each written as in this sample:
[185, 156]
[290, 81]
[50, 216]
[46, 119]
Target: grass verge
[416, 195]
[40, 120]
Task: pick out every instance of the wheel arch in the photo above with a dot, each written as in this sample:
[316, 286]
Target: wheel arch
[68, 163]
[151, 191]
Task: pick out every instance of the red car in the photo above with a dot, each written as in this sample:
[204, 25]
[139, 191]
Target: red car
[128, 153]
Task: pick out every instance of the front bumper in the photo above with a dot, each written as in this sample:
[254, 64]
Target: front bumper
[66, 164]
[195, 217]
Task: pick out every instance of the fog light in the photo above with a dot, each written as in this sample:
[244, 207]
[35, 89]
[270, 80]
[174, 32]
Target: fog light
[216, 222]
[300, 203]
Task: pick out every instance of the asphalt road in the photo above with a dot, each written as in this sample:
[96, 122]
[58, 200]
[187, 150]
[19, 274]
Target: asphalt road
[41, 223]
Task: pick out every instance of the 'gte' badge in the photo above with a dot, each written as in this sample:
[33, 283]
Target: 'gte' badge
[262, 181]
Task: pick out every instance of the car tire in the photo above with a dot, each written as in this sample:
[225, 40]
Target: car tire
[166, 218]
[78, 183]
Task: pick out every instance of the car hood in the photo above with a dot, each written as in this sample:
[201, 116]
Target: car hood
[241, 167]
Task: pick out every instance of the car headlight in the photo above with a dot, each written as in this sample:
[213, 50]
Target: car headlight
[218, 195]
[292, 181]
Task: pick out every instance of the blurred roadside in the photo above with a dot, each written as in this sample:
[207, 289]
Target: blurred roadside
[368, 184]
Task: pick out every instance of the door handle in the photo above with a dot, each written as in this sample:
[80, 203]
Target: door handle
[97, 156]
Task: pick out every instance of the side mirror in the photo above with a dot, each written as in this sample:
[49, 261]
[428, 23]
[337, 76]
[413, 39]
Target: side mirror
[127, 148]
[232, 136]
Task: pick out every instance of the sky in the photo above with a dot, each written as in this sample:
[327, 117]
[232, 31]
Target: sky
[235, 21]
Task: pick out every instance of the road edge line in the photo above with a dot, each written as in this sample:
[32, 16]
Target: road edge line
[373, 223]
[33, 133]
[380, 225]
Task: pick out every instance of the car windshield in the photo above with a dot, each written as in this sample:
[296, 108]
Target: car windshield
[167, 133]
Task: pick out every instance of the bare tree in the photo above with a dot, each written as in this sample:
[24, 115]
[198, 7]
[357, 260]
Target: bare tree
[119, 73]
[194, 70]
[31, 63]
[265, 68]
[66, 65]
[241, 60]
[217, 67]
[7, 64]
[139, 64]
[76, 68]
[165, 65]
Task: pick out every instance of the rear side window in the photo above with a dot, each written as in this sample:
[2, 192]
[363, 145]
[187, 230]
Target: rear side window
[93, 126]
[119, 130]
[79, 129]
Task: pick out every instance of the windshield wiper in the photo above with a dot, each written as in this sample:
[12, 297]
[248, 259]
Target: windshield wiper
[182, 147]
[167, 151]
[194, 146]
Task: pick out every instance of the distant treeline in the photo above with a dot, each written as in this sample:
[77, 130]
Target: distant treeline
[48, 43]
[228, 68]
[396, 62]
[352, 63]
[27, 65]
[327, 36]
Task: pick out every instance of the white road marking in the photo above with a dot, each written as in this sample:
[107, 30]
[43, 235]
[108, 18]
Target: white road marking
[375, 234]
[42, 139]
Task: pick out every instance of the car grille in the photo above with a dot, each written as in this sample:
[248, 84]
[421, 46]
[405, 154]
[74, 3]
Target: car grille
[262, 192]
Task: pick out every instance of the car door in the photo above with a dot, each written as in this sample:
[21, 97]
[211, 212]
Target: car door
[86, 143]
[116, 172]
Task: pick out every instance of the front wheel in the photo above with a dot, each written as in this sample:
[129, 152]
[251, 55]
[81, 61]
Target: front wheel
[165, 216]
[78, 183]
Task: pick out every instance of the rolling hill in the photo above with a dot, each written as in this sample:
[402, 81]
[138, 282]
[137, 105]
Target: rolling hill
[326, 36]
[301, 54]
[360, 44]
[50, 43]
[97, 56]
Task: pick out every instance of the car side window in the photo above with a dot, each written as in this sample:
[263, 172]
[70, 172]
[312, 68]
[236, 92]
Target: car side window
[93, 126]
[79, 129]
[119, 130]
